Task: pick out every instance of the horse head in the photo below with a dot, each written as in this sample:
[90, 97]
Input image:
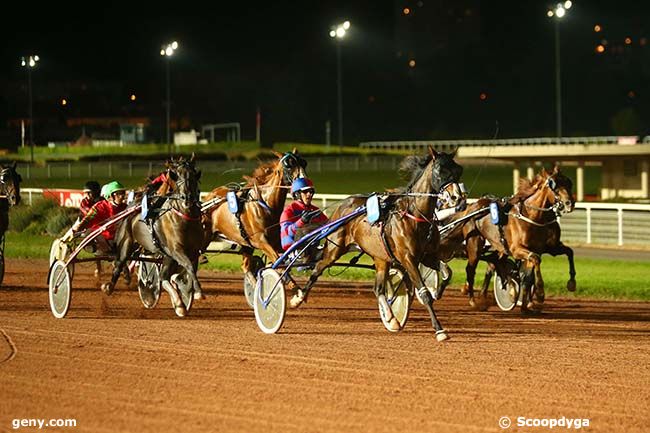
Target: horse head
[292, 165]
[445, 169]
[562, 188]
[10, 183]
[185, 178]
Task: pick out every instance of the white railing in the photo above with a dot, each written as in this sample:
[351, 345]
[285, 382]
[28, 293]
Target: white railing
[589, 223]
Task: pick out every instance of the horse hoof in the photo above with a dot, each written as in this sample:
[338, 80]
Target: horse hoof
[199, 296]
[571, 285]
[464, 290]
[296, 301]
[107, 288]
[393, 325]
[442, 335]
[180, 311]
[97, 273]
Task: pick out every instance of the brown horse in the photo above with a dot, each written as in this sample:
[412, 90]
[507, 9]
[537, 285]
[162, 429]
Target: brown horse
[401, 238]
[261, 201]
[531, 230]
[176, 235]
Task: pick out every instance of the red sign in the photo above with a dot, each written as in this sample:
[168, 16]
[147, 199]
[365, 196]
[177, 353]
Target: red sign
[65, 197]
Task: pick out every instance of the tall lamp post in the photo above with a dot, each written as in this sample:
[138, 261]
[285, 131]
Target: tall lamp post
[338, 32]
[558, 12]
[29, 62]
[167, 51]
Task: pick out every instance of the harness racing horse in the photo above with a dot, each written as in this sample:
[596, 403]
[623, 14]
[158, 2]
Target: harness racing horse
[176, 235]
[401, 238]
[9, 196]
[255, 224]
[531, 230]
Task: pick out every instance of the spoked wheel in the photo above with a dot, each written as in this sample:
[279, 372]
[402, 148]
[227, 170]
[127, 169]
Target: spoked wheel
[257, 263]
[430, 277]
[149, 283]
[270, 304]
[59, 251]
[60, 285]
[184, 284]
[398, 296]
[506, 296]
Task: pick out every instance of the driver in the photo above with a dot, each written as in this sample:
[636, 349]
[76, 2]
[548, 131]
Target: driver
[100, 212]
[300, 216]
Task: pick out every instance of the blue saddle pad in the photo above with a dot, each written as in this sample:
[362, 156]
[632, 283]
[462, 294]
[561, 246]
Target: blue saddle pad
[145, 208]
[233, 203]
[372, 209]
[494, 213]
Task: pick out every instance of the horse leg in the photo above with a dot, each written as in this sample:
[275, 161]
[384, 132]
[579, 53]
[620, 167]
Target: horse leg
[562, 249]
[331, 253]
[539, 285]
[246, 256]
[165, 273]
[423, 294]
[381, 268]
[530, 261]
[190, 268]
[124, 251]
[445, 278]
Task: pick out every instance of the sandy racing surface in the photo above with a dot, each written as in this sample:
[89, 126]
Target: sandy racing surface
[115, 367]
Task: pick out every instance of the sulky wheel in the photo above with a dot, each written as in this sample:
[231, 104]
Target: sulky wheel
[184, 284]
[60, 285]
[430, 277]
[270, 304]
[149, 283]
[398, 296]
[506, 296]
[256, 264]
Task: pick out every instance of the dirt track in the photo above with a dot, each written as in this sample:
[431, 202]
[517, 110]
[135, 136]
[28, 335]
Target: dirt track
[116, 367]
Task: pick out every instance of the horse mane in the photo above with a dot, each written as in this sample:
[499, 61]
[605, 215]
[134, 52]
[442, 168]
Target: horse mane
[412, 166]
[526, 187]
[261, 174]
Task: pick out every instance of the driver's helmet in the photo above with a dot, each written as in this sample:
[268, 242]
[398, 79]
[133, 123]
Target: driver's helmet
[92, 186]
[111, 187]
[301, 184]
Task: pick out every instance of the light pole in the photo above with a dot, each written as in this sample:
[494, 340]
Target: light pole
[167, 51]
[338, 32]
[558, 12]
[29, 62]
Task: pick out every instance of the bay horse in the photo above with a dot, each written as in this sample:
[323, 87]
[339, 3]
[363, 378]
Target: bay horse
[9, 196]
[176, 235]
[406, 232]
[256, 224]
[531, 230]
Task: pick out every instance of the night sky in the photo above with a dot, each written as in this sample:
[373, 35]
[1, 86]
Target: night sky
[278, 56]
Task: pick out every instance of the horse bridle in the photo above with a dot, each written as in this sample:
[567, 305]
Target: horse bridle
[9, 188]
[557, 207]
[290, 161]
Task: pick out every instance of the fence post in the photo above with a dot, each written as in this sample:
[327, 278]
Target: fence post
[150, 168]
[356, 163]
[90, 170]
[319, 165]
[29, 173]
[49, 171]
[110, 169]
[338, 163]
[588, 225]
[130, 169]
[620, 226]
[69, 171]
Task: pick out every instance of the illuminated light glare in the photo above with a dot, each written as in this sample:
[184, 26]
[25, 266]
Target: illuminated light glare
[64, 102]
[340, 32]
[174, 45]
[406, 11]
[332, 33]
[568, 4]
[549, 14]
[597, 28]
[560, 12]
[628, 41]
[483, 96]
[162, 52]
[600, 49]
[346, 25]
[132, 97]
[36, 58]
[631, 94]
[169, 51]
[412, 63]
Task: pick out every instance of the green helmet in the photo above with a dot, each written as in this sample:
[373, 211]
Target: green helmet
[111, 187]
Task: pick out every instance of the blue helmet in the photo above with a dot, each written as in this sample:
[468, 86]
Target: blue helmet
[300, 184]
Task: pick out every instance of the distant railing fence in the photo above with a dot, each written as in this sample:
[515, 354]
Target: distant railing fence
[589, 223]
